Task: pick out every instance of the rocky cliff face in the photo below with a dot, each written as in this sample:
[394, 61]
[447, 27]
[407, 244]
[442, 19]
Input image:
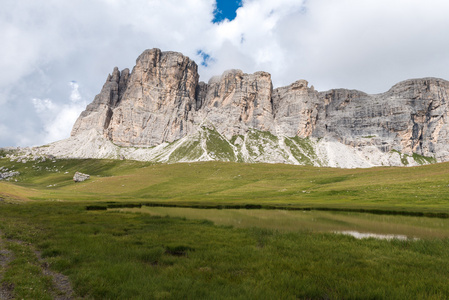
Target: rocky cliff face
[161, 102]
[151, 105]
[296, 109]
[410, 118]
[235, 102]
[98, 114]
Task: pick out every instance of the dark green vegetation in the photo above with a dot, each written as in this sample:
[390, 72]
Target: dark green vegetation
[112, 254]
[117, 255]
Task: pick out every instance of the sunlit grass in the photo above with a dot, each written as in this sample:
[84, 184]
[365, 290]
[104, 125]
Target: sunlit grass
[424, 188]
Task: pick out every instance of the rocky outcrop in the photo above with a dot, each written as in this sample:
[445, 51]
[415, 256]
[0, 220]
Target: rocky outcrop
[147, 107]
[98, 114]
[162, 101]
[5, 173]
[159, 101]
[80, 177]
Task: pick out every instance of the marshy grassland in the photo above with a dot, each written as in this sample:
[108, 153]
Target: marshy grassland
[122, 253]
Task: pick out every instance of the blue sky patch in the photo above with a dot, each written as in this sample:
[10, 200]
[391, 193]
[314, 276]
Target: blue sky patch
[205, 58]
[226, 9]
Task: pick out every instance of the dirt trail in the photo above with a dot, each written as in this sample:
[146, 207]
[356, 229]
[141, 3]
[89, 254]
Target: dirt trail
[61, 287]
[6, 257]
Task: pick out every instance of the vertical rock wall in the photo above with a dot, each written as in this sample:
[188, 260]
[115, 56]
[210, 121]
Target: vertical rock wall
[161, 100]
[236, 101]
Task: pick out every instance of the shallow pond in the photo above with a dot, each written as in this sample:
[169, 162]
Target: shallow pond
[359, 225]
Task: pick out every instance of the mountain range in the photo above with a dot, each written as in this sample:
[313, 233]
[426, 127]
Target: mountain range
[161, 112]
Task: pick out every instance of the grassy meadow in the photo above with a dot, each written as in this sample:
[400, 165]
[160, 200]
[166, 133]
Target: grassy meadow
[120, 254]
[421, 189]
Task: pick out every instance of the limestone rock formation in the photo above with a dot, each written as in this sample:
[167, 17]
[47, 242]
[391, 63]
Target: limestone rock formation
[296, 109]
[235, 102]
[80, 177]
[412, 118]
[240, 117]
[158, 102]
[151, 105]
[98, 114]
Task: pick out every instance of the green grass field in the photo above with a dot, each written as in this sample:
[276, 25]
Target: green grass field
[423, 189]
[114, 255]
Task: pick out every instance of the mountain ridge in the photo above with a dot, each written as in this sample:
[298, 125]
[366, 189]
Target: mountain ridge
[161, 103]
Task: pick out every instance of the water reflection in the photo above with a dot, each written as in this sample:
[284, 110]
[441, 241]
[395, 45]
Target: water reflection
[363, 235]
[359, 225]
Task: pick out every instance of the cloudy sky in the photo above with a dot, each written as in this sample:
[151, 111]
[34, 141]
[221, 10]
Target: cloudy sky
[56, 55]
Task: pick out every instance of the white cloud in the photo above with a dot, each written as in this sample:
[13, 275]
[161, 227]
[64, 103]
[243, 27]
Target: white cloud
[75, 95]
[371, 45]
[368, 45]
[43, 105]
[58, 119]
